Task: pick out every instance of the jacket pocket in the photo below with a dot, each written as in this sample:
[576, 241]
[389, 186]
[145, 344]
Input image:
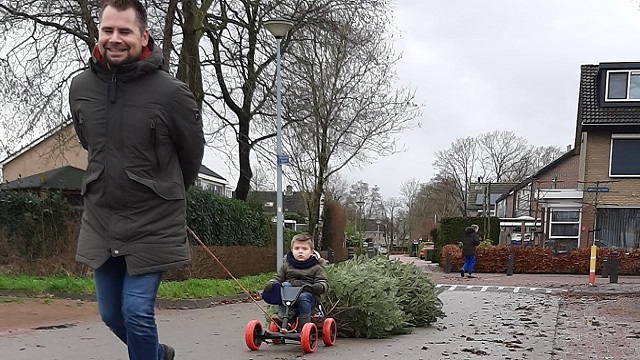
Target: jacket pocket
[90, 175]
[167, 190]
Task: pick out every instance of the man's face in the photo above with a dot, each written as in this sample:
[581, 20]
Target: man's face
[121, 40]
[301, 250]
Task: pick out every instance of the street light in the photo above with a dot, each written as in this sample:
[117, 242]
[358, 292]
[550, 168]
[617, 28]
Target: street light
[360, 204]
[378, 222]
[279, 28]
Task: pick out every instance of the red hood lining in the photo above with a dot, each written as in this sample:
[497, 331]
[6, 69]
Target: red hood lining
[146, 53]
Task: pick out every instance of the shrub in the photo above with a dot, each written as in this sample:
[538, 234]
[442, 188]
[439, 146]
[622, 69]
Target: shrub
[378, 298]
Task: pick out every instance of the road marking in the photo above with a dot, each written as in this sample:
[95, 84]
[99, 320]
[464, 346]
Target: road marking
[494, 288]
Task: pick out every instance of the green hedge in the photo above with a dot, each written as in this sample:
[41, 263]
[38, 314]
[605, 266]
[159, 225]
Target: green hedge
[220, 221]
[34, 224]
[451, 231]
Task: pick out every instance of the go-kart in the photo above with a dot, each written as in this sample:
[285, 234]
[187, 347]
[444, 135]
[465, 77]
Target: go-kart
[286, 327]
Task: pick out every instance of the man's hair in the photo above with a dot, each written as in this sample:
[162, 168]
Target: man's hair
[122, 5]
[303, 237]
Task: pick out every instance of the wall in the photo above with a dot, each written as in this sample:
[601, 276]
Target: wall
[623, 192]
[60, 149]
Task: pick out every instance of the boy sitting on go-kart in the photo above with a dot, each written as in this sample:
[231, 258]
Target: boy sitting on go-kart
[301, 269]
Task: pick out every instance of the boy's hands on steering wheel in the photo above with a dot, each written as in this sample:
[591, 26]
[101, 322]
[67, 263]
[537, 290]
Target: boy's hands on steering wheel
[269, 286]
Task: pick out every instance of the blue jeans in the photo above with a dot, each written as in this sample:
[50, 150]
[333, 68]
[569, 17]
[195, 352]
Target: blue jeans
[126, 305]
[306, 301]
[469, 263]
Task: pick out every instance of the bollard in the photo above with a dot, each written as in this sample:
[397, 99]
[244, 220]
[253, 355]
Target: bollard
[592, 265]
[447, 264]
[510, 265]
[614, 261]
[350, 252]
[605, 266]
[371, 251]
[330, 256]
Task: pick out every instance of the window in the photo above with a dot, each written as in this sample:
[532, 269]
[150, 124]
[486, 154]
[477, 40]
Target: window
[564, 229]
[618, 227]
[623, 85]
[625, 153]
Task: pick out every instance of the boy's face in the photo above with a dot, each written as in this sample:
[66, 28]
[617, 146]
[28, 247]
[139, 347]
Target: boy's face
[301, 250]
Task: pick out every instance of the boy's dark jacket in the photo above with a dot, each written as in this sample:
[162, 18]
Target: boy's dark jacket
[142, 130]
[300, 273]
[469, 242]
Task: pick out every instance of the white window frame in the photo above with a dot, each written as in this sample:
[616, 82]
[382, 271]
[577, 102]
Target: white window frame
[629, 73]
[552, 222]
[621, 137]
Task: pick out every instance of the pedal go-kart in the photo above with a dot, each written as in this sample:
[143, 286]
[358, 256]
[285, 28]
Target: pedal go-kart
[279, 332]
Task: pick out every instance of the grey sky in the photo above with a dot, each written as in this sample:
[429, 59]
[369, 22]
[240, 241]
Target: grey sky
[484, 65]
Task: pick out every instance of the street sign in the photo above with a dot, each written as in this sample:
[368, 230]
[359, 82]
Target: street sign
[283, 159]
[597, 189]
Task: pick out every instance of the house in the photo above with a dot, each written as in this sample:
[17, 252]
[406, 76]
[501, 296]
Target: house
[59, 149]
[479, 203]
[292, 202]
[544, 208]
[608, 141]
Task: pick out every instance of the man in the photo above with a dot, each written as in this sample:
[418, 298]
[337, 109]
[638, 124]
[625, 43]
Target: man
[469, 244]
[142, 130]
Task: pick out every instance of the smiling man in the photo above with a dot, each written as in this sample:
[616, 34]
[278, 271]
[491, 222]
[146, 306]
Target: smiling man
[143, 133]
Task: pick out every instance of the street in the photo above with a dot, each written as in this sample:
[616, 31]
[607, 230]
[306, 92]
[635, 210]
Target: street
[484, 324]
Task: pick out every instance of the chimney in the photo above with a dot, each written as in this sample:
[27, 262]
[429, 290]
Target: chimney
[568, 147]
[289, 190]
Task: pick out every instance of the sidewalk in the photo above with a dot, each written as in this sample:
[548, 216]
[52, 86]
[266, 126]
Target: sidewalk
[576, 284]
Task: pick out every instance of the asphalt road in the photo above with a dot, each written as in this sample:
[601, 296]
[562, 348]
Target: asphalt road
[487, 325]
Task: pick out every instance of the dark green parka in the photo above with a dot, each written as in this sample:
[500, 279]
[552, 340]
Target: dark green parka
[143, 133]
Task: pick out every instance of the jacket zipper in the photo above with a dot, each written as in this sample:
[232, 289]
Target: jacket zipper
[154, 142]
[112, 89]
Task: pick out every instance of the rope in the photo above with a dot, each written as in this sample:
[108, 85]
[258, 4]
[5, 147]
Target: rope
[227, 271]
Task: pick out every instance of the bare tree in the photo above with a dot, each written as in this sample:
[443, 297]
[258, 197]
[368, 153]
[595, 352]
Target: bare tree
[337, 189]
[458, 165]
[341, 106]
[409, 191]
[500, 152]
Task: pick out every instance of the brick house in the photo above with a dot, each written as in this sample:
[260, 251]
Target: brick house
[545, 208]
[60, 148]
[608, 139]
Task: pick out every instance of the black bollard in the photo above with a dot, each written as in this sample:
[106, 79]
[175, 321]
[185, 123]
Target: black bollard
[371, 251]
[447, 264]
[330, 256]
[510, 265]
[605, 266]
[614, 261]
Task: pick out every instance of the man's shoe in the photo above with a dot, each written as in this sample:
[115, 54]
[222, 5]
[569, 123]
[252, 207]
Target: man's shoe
[470, 276]
[169, 353]
[462, 272]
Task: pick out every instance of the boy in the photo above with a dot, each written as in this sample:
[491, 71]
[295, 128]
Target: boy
[300, 268]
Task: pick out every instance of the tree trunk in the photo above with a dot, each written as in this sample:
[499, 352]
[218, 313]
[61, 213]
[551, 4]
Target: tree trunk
[189, 69]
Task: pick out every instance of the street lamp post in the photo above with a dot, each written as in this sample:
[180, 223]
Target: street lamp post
[378, 233]
[360, 204]
[278, 28]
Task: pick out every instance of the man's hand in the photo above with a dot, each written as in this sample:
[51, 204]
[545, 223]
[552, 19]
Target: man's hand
[317, 289]
[268, 287]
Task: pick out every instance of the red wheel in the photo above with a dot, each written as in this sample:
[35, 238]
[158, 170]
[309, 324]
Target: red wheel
[253, 335]
[329, 331]
[273, 327]
[309, 337]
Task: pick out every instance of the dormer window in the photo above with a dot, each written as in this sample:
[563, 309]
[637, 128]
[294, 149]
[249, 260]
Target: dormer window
[623, 85]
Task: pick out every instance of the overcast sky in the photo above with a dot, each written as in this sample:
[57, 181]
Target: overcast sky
[485, 65]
